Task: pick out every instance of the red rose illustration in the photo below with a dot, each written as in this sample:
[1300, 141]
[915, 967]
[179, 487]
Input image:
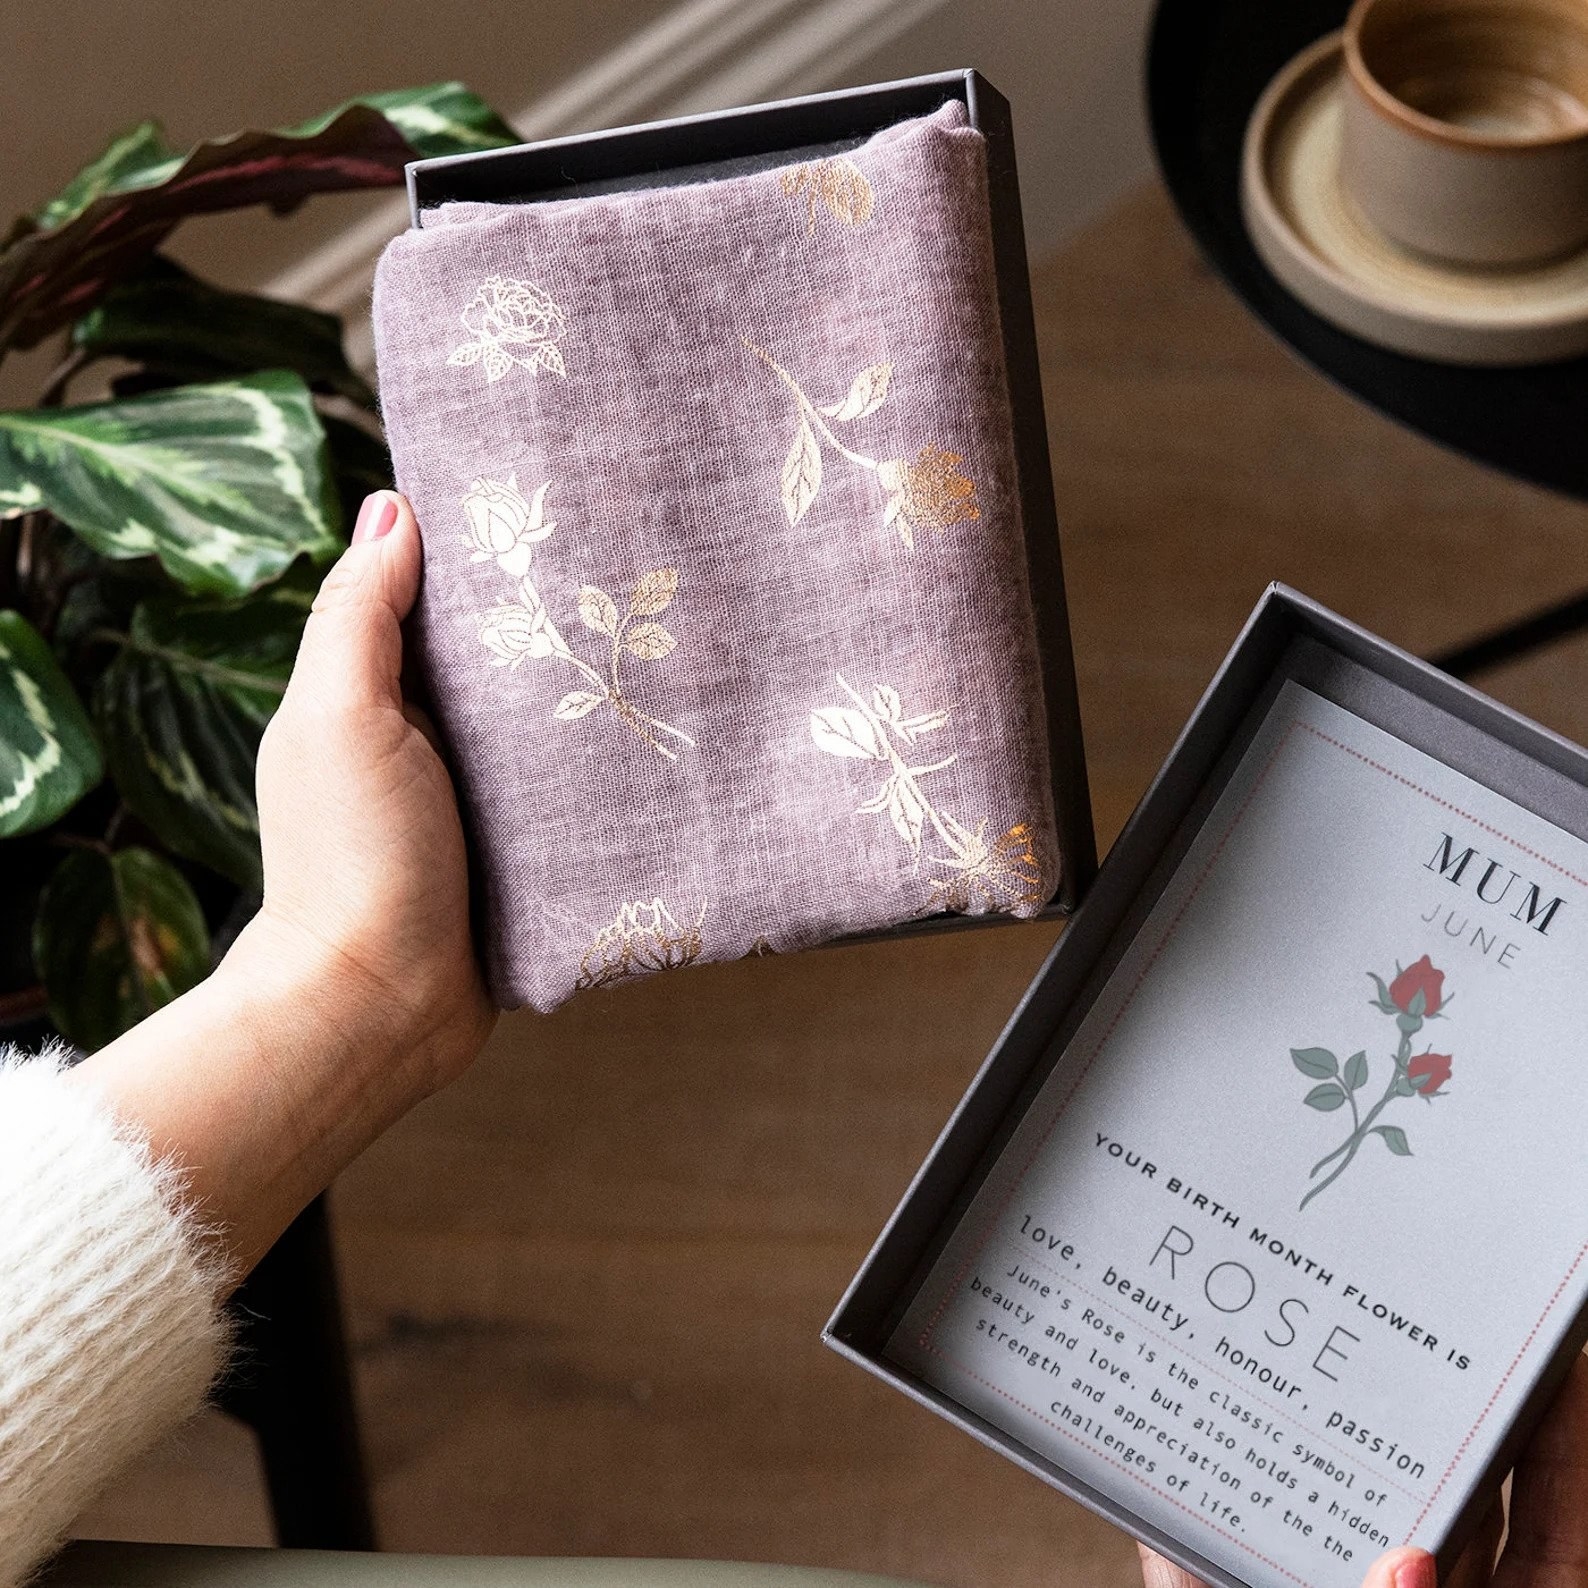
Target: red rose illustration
[1429, 1071]
[1419, 978]
[1416, 994]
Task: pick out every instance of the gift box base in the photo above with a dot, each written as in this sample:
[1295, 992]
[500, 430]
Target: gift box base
[1289, 639]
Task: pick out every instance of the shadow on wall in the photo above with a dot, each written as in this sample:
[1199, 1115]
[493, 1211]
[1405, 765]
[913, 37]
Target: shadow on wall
[1072, 71]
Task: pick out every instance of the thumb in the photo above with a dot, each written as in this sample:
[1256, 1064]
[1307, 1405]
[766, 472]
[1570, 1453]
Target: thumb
[1403, 1567]
[351, 652]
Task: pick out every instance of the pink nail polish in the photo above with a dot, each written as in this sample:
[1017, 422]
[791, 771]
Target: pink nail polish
[375, 517]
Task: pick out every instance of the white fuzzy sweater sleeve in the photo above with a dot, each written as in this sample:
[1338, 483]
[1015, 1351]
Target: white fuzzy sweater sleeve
[109, 1329]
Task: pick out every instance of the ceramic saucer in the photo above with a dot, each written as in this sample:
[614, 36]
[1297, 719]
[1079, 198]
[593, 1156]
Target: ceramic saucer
[1315, 240]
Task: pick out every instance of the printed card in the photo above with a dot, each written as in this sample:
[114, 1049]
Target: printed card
[1300, 1214]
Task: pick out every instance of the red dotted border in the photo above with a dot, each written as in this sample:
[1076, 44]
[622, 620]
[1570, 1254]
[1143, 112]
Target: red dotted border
[1455, 810]
[1102, 1042]
[1499, 1388]
[1576, 1263]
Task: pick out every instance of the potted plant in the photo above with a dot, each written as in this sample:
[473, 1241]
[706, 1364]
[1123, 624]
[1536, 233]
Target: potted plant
[160, 547]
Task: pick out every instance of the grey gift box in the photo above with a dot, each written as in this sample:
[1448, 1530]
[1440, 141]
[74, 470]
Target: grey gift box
[1287, 638]
[731, 142]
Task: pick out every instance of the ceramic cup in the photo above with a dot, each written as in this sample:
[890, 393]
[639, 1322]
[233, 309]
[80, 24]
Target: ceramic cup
[1466, 126]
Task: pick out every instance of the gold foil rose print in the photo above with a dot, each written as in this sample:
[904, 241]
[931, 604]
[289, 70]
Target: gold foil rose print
[643, 938]
[926, 492]
[505, 526]
[511, 323]
[977, 874]
[839, 184]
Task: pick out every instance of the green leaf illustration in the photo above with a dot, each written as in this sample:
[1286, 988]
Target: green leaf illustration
[1394, 1139]
[224, 483]
[1356, 1071]
[173, 323]
[1325, 1098]
[116, 936]
[182, 710]
[61, 260]
[1419, 1004]
[1319, 1063]
[1383, 1000]
[48, 755]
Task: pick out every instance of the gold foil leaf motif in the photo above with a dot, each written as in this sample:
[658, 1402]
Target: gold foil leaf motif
[801, 478]
[867, 393]
[1002, 874]
[522, 630]
[927, 492]
[649, 641]
[597, 610]
[654, 593]
[643, 939]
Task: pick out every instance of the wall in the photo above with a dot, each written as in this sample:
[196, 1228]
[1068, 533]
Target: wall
[1070, 68]
[75, 73]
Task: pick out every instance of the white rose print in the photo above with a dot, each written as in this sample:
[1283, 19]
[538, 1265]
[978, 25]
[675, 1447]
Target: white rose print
[511, 323]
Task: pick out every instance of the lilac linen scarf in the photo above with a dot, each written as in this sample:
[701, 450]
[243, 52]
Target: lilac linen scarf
[725, 613]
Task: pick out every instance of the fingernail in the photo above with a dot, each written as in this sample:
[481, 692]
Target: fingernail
[1416, 1571]
[1401, 1567]
[375, 517]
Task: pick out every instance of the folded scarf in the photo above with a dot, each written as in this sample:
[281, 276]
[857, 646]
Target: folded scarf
[725, 617]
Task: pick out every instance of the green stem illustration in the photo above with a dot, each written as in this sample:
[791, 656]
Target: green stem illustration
[1415, 996]
[1348, 1147]
[1361, 1127]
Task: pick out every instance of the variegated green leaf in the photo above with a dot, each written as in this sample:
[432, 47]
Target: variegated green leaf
[58, 262]
[180, 326]
[182, 709]
[48, 757]
[116, 936]
[133, 160]
[100, 596]
[440, 118]
[225, 483]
